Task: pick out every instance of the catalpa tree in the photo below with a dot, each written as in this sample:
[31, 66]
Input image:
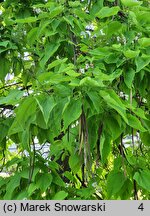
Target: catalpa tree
[75, 99]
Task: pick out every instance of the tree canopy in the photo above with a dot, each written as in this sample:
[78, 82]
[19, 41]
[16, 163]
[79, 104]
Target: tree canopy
[75, 76]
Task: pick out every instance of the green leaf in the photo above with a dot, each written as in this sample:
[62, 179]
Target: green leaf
[112, 99]
[11, 186]
[32, 35]
[113, 28]
[75, 163]
[144, 17]
[90, 82]
[113, 127]
[4, 68]
[131, 3]
[23, 195]
[4, 127]
[126, 190]
[12, 98]
[40, 121]
[100, 52]
[144, 42]
[105, 146]
[58, 181]
[74, 4]
[72, 112]
[139, 112]
[131, 53]
[134, 122]
[95, 98]
[72, 73]
[107, 77]
[56, 11]
[25, 173]
[25, 113]
[145, 138]
[56, 63]
[107, 12]
[3, 181]
[44, 180]
[25, 140]
[96, 6]
[27, 20]
[46, 104]
[61, 195]
[115, 182]
[32, 187]
[143, 179]
[86, 193]
[47, 5]
[4, 43]
[52, 78]
[50, 49]
[69, 176]
[129, 77]
[142, 62]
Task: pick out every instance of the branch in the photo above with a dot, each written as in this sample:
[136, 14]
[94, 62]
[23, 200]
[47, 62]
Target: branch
[10, 85]
[3, 106]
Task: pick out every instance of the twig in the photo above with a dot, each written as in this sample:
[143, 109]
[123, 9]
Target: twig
[123, 155]
[10, 85]
[98, 143]
[135, 190]
[32, 163]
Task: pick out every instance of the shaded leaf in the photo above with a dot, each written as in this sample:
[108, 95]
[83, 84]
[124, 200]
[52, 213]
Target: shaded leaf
[72, 112]
[11, 186]
[112, 99]
[74, 163]
[145, 138]
[4, 68]
[43, 181]
[143, 179]
[105, 146]
[129, 77]
[115, 182]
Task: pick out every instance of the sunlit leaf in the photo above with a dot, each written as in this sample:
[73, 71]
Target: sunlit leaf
[46, 104]
[107, 12]
[61, 195]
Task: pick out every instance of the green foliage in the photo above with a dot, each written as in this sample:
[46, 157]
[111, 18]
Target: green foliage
[74, 99]
[115, 182]
[142, 178]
